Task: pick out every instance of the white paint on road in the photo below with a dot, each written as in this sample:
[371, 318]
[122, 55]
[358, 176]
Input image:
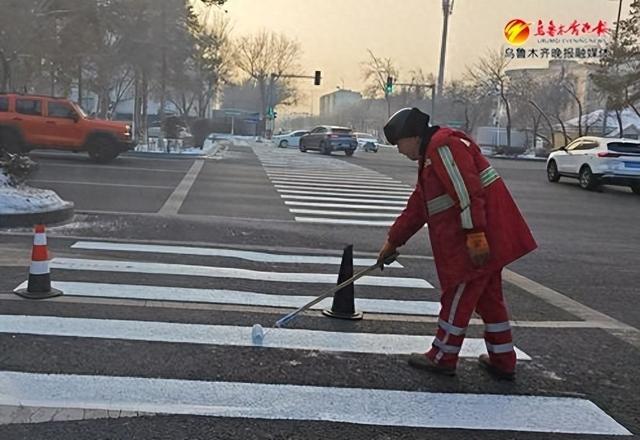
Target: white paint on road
[227, 335]
[348, 193]
[343, 213]
[397, 209]
[362, 406]
[345, 200]
[337, 179]
[337, 184]
[176, 199]
[337, 221]
[224, 296]
[260, 257]
[227, 272]
[353, 191]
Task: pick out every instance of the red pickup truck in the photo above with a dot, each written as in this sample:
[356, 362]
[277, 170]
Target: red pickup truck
[43, 122]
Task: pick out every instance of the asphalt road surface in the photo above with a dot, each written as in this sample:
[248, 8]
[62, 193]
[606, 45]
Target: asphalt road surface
[169, 262]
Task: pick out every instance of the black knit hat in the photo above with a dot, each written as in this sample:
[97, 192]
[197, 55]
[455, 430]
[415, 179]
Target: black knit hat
[407, 122]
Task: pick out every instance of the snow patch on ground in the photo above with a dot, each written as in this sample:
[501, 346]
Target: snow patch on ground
[24, 199]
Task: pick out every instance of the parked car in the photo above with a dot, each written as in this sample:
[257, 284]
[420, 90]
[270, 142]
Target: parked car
[327, 139]
[596, 160]
[43, 122]
[367, 142]
[291, 139]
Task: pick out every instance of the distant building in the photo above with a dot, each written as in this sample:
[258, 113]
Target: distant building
[333, 102]
[586, 89]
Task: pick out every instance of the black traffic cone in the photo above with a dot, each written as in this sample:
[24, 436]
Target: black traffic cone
[343, 300]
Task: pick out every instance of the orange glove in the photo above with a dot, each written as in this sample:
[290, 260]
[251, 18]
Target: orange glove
[478, 248]
[386, 250]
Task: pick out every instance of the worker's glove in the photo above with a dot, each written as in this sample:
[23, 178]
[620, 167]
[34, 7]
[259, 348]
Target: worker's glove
[385, 252]
[478, 248]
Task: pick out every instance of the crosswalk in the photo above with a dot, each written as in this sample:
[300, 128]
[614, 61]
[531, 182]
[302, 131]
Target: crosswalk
[324, 190]
[272, 280]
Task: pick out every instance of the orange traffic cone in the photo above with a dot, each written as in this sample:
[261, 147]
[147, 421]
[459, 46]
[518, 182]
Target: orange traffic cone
[39, 285]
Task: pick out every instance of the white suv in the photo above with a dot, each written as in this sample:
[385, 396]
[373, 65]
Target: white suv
[596, 160]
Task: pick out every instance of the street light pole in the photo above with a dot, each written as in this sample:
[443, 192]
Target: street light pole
[447, 6]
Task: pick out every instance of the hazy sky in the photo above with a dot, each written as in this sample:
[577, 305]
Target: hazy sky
[335, 34]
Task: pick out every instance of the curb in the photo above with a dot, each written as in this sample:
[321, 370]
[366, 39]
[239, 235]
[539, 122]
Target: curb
[33, 218]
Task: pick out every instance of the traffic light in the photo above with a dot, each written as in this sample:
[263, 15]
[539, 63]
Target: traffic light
[316, 80]
[274, 114]
[389, 87]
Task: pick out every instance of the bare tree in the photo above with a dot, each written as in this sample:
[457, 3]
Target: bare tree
[375, 73]
[267, 57]
[489, 76]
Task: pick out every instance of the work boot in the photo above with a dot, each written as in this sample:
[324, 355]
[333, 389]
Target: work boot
[422, 362]
[485, 362]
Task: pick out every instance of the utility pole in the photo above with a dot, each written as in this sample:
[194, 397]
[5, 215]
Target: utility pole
[447, 9]
[163, 73]
[615, 45]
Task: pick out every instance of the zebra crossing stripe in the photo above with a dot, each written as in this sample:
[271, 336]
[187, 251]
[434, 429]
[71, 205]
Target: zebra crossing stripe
[227, 272]
[397, 209]
[339, 199]
[332, 175]
[224, 296]
[350, 194]
[336, 184]
[338, 179]
[496, 412]
[337, 221]
[261, 257]
[343, 213]
[227, 335]
[349, 191]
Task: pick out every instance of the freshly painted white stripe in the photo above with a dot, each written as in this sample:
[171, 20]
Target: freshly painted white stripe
[343, 213]
[153, 331]
[261, 257]
[313, 403]
[350, 194]
[39, 239]
[349, 191]
[346, 173]
[39, 267]
[336, 184]
[338, 179]
[335, 221]
[227, 272]
[331, 175]
[339, 199]
[222, 296]
[397, 209]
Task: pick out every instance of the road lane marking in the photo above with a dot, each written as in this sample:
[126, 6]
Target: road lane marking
[346, 190]
[350, 194]
[399, 203]
[338, 179]
[227, 272]
[261, 257]
[343, 213]
[611, 325]
[227, 335]
[397, 209]
[176, 199]
[336, 221]
[116, 185]
[361, 406]
[224, 296]
[332, 185]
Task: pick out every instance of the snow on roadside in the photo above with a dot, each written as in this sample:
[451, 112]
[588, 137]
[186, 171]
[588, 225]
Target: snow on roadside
[24, 199]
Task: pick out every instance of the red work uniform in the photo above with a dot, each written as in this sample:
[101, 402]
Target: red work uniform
[458, 192]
